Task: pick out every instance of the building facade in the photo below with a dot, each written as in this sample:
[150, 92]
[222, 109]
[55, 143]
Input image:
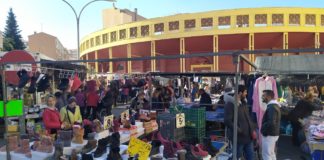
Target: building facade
[114, 16]
[48, 45]
[214, 31]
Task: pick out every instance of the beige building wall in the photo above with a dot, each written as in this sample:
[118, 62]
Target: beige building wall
[114, 16]
[1, 41]
[47, 44]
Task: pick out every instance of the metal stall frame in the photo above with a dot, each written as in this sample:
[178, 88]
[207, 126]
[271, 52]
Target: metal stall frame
[237, 57]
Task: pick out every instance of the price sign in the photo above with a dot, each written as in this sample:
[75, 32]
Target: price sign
[108, 121]
[139, 147]
[180, 120]
[124, 116]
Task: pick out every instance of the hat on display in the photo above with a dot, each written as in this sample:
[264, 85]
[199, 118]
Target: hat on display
[43, 83]
[23, 78]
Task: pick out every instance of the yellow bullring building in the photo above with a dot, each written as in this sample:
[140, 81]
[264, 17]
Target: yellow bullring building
[213, 31]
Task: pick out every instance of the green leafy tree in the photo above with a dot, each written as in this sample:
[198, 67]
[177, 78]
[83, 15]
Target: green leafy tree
[12, 37]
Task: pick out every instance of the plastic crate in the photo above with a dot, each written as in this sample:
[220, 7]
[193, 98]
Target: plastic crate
[195, 117]
[195, 133]
[167, 127]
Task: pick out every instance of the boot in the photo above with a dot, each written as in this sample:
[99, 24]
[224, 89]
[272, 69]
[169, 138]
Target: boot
[155, 147]
[114, 154]
[182, 154]
[78, 135]
[65, 136]
[156, 157]
[101, 148]
[207, 146]
[143, 117]
[116, 125]
[169, 151]
[190, 155]
[177, 146]
[127, 125]
[13, 144]
[74, 155]
[91, 136]
[45, 145]
[92, 144]
[115, 140]
[198, 152]
[87, 157]
[98, 126]
[24, 147]
[59, 145]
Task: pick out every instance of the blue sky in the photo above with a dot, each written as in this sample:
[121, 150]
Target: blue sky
[56, 18]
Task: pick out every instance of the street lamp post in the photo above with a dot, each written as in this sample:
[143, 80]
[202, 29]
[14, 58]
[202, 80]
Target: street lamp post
[77, 17]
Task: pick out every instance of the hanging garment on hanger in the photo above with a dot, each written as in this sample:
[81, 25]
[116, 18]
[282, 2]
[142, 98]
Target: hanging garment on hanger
[63, 84]
[23, 78]
[261, 84]
[76, 83]
[43, 84]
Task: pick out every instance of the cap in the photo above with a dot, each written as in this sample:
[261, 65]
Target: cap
[71, 99]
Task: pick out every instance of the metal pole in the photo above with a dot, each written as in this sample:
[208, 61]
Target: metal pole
[4, 96]
[237, 63]
[78, 35]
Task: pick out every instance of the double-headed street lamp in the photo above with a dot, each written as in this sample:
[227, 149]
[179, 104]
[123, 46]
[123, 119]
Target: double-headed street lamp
[77, 17]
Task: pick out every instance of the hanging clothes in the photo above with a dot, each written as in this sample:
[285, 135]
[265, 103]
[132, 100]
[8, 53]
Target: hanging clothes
[261, 84]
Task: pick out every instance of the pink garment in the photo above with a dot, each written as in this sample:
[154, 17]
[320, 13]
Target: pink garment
[268, 83]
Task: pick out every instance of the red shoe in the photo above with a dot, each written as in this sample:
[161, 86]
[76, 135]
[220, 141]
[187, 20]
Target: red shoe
[177, 146]
[198, 151]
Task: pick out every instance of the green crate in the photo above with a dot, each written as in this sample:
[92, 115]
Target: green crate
[192, 133]
[195, 117]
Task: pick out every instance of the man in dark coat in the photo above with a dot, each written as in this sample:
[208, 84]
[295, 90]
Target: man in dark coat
[245, 127]
[205, 100]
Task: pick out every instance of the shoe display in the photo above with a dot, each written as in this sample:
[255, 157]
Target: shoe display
[115, 140]
[78, 135]
[24, 147]
[12, 142]
[91, 145]
[207, 146]
[116, 125]
[101, 148]
[114, 154]
[198, 151]
[169, 151]
[74, 155]
[190, 155]
[177, 146]
[98, 126]
[66, 137]
[86, 157]
[144, 117]
[45, 145]
[181, 154]
[59, 145]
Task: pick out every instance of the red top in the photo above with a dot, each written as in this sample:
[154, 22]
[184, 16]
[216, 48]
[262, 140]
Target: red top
[92, 99]
[51, 119]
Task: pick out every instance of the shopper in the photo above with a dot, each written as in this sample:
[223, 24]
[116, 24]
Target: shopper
[59, 100]
[205, 100]
[270, 127]
[139, 102]
[51, 116]
[194, 91]
[303, 109]
[245, 129]
[70, 114]
[107, 101]
[80, 100]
